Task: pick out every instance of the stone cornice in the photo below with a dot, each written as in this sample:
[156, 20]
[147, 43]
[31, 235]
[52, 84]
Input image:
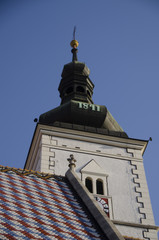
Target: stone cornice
[138, 225]
[95, 137]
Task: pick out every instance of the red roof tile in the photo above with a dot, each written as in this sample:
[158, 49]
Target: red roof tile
[41, 206]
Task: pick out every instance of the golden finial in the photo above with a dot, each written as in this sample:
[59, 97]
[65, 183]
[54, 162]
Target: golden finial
[74, 43]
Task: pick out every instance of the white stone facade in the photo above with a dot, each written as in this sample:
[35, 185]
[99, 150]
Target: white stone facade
[117, 161]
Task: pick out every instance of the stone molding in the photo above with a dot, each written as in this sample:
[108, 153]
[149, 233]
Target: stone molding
[103, 221]
[141, 189]
[82, 136]
[138, 225]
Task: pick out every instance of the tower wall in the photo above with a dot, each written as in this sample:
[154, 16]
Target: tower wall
[120, 163]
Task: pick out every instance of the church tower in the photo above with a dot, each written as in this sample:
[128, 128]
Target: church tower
[108, 162]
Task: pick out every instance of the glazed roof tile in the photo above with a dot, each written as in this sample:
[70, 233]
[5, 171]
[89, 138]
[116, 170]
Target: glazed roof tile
[34, 205]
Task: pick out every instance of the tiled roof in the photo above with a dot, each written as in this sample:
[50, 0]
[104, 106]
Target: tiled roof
[41, 206]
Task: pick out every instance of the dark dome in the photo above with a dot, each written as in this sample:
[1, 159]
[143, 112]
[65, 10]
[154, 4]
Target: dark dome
[75, 67]
[75, 83]
[76, 90]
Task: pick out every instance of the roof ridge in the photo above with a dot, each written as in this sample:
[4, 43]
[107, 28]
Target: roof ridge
[26, 172]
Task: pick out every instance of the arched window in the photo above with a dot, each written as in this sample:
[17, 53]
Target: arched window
[80, 89]
[89, 185]
[99, 186]
[69, 90]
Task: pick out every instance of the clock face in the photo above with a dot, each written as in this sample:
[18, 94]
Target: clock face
[103, 203]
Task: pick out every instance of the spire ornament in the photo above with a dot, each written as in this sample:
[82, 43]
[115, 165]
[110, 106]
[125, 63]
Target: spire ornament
[74, 44]
[71, 161]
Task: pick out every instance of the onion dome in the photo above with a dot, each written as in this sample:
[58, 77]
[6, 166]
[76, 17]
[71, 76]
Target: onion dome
[77, 109]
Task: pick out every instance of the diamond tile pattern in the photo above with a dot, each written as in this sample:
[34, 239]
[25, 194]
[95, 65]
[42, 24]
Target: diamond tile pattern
[38, 206]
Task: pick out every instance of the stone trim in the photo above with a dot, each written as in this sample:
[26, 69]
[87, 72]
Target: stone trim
[150, 234]
[101, 218]
[138, 225]
[120, 157]
[82, 136]
[137, 190]
[143, 194]
[107, 140]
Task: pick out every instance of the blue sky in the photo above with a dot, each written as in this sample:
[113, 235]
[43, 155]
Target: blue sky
[119, 42]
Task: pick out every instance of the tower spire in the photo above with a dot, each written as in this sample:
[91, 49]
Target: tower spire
[74, 44]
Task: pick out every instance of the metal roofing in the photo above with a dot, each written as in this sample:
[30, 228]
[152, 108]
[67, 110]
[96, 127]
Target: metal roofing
[41, 206]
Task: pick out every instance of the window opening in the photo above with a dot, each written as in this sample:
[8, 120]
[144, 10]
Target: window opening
[80, 89]
[89, 185]
[69, 90]
[99, 186]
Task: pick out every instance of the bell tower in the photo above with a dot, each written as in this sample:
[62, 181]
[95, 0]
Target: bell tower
[108, 162]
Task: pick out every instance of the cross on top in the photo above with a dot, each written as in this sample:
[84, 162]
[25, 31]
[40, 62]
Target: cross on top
[72, 161]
